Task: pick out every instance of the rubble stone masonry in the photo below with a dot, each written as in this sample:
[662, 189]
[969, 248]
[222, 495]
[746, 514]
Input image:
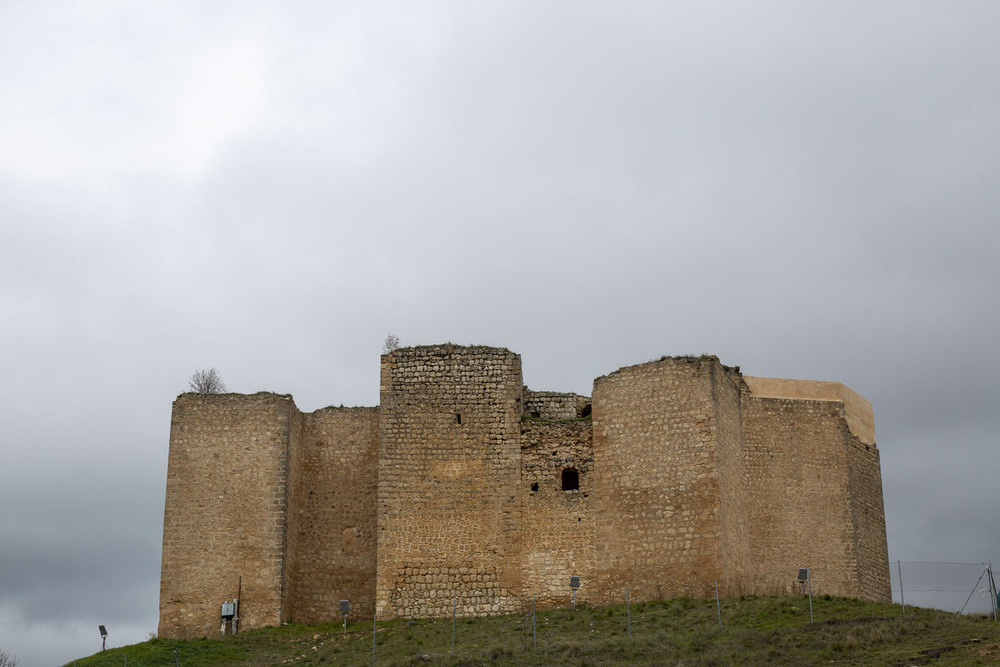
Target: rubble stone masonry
[466, 490]
[449, 473]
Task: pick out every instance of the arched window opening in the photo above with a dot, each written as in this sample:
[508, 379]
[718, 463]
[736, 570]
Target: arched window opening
[570, 479]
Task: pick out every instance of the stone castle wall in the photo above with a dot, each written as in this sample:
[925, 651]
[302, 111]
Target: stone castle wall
[737, 547]
[864, 488]
[553, 405]
[331, 526]
[557, 525]
[225, 512]
[798, 491]
[466, 489]
[449, 482]
[658, 528]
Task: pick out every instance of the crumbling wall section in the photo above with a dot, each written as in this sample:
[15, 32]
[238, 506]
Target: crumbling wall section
[555, 406]
[331, 529]
[449, 477]
[558, 524]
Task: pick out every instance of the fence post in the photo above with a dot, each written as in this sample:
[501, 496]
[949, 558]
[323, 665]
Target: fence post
[454, 609]
[534, 627]
[374, 621]
[718, 607]
[972, 592]
[902, 602]
[810, 581]
[993, 589]
[628, 610]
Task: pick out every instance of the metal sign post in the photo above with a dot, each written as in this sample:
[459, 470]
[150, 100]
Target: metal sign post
[804, 579]
[574, 583]
[345, 606]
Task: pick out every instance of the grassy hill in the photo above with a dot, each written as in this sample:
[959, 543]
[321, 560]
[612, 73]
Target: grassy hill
[756, 631]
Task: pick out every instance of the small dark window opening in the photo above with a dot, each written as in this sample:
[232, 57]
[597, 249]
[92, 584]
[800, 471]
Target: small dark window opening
[586, 411]
[458, 417]
[534, 487]
[570, 479]
[534, 414]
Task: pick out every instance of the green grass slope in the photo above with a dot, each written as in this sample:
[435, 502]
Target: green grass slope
[756, 631]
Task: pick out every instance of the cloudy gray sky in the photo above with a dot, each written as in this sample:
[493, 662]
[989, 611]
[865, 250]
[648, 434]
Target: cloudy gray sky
[807, 190]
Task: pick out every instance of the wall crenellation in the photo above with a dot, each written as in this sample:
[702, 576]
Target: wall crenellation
[465, 488]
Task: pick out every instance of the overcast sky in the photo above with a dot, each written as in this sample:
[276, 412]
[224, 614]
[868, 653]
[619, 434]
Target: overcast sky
[808, 190]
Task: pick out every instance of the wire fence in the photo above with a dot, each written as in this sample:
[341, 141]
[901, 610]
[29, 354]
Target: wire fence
[962, 588]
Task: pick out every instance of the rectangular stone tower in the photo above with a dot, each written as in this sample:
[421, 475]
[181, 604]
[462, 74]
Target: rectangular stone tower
[449, 473]
[813, 489]
[226, 510]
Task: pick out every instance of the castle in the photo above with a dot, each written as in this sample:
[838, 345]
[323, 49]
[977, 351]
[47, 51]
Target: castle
[465, 489]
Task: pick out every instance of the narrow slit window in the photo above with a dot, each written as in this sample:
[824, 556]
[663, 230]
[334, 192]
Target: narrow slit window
[570, 479]
[458, 417]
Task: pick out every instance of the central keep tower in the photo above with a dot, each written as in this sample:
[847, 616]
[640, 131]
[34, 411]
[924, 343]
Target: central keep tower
[449, 471]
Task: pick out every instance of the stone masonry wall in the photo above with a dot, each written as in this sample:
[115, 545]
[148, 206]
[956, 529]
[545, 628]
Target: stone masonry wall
[449, 505]
[735, 520]
[797, 493]
[451, 493]
[225, 511]
[657, 494]
[557, 526]
[553, 405]
[864, 483]
[331, 526]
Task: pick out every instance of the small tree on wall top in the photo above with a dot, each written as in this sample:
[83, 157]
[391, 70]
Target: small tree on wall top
[391, 343]
[207, 382]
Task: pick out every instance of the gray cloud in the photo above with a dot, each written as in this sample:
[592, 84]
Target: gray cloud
[806, 191]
